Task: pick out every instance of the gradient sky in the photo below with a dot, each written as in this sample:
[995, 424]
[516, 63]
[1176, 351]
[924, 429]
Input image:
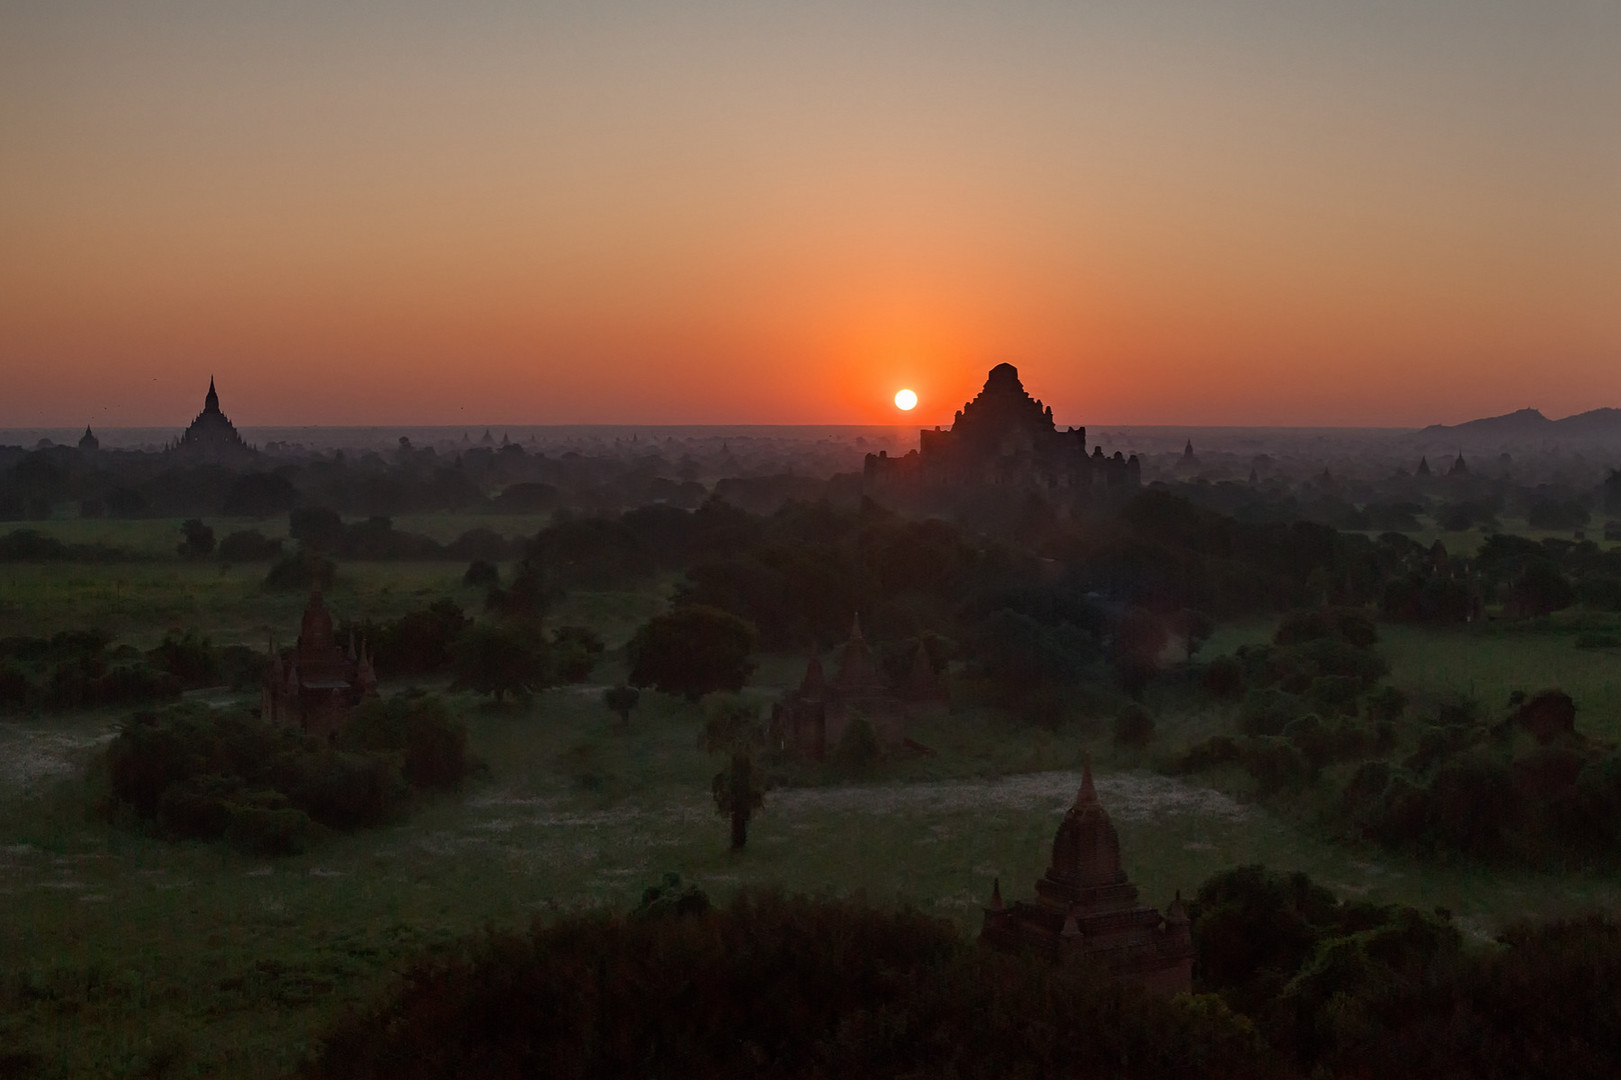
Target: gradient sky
[1200, 212]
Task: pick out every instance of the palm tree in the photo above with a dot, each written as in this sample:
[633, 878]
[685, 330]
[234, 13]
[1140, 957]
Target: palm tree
[732, 727]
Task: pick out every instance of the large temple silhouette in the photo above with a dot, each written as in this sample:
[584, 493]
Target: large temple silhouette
[212, 437]
[1002, 440]
[1086, 908]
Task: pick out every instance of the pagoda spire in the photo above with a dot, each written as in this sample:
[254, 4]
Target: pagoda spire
[211, 403]
[1088, 795]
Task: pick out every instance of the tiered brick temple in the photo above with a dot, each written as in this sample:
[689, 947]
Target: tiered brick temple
[212, 437]
[315, 684]
[1085, 907]
[811, 719]
[1002, 440]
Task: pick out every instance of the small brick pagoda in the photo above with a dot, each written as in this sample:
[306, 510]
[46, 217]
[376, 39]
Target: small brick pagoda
[315, 684]
[812, 718]
[1084, 906]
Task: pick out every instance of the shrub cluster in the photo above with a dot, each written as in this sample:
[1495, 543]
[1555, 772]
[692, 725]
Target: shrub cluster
[1289, 982]
[1309, 699]
[79, 669]
[771, 986]
[200, 773]
[1528, 788]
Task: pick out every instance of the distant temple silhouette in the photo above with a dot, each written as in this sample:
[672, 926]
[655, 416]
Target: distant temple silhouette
[1002, 440]
[212, 437]
[1086, 908]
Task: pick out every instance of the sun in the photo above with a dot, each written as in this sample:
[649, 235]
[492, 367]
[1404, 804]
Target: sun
[905, 400]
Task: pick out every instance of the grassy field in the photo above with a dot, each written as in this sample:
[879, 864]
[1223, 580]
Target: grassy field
[1491, 662]
[123, 951]
[157, 537]
[137, 602]
[124, 955]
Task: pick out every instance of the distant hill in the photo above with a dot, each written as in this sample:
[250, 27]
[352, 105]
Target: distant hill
[1531, 424]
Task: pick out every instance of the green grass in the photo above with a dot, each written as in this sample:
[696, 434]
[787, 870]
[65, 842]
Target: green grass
[1493, 661]
[120, 952]
[137, 602]
[119, 946]
[157, 537]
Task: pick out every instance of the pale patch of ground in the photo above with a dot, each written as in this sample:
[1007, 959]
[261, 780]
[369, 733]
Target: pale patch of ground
[1132, 796]
[30, 754]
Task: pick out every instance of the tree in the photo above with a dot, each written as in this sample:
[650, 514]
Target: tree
[1195, 628]
[531, 595]
[620, 700]
[1134, 648]
[692, 651]
[198, 542]
[574, 652]
[481, 574]
[260, 495]
[732, 727]
[500, 660]
[300, 570]
[316, 528]
[1134, 726]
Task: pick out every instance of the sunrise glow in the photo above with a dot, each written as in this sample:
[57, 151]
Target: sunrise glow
[1222, 213]
[906, 401]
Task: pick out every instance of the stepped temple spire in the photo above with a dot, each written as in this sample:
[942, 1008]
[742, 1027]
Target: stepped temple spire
[1003, 439]
[1086, 906]
[212, 437]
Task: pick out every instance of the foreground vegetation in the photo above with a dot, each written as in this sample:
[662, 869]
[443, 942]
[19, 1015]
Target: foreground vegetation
[137, 942]
[1294, 984]
[125, 949]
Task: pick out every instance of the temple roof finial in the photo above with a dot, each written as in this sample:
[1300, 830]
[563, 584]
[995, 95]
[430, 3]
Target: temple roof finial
[1088, 793]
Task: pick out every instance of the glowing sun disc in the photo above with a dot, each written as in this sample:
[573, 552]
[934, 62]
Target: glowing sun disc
[905, 400]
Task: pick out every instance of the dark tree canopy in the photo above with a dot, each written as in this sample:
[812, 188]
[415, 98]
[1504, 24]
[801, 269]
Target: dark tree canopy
[501, 660]
[692, 651]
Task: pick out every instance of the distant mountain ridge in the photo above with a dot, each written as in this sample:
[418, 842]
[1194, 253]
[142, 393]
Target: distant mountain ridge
[1530, 423]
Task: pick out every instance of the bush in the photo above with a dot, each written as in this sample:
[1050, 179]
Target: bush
[1134, 726]
[575, 650]
[858, 747]
[304, 569]
[1277, 764]
[1267, 712]
[249, 545]
[268, 831]
[197, 540]
[198, 773]
[189, 657]
[481, 575]
[1215, 751]
[1223, 678]
[431, 742]
[774, 986]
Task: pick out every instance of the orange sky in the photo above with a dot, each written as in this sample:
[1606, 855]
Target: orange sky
[1210, 212]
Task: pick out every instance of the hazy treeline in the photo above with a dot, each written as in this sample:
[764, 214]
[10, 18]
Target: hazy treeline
[47, 482]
